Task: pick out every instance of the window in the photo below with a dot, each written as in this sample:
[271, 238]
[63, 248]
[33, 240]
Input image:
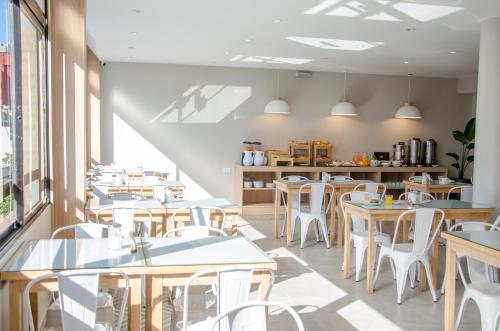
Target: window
[23, 130]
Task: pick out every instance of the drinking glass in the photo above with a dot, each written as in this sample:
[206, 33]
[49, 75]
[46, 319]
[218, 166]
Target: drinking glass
[388, 199]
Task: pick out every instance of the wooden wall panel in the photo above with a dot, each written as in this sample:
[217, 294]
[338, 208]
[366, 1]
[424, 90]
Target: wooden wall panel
[68, 61]
[93, 109]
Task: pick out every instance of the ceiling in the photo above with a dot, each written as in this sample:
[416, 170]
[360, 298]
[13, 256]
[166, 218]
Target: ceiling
[438, 38]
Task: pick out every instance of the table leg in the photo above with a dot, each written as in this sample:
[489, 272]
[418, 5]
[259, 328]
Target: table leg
[289, 207]
[154, 303]
[341, 222]
[134, 304]
[333, 218]
[234, 225]
[370, 256]
[347, 246]
[265, 285]
[449, 298]
[34, 307]
[277, 214]
[15, 289]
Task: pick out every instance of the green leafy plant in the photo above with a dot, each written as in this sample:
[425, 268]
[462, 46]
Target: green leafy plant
[5, 205]
[466, 138]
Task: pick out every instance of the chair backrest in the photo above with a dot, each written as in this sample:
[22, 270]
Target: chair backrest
[474, 226]
[78, 290]
[124, 196]
[125, 216]
[372, 188]
[358, 223]
[232, 287]
[424, 218]
[316, 196]
[251, 316]
[195, 232]
[84, 231]
[294, 178]
[341, 178]
[477, 270]
[465, 192]
[201, 215]
[417, 195]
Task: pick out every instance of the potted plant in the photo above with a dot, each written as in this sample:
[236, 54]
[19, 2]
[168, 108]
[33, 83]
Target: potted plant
[466, 139]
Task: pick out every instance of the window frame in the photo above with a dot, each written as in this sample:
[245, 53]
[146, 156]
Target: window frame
[35, 15]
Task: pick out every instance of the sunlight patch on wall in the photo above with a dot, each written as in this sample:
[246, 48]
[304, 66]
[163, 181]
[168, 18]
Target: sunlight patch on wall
[131, 149]
[204, 104]
[303, 286]
[365, 318]
[424, 12]
[193, 190]
[335, 44]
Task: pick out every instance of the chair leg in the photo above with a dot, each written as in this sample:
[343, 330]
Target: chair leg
[443, 286]
[380, 257]
[413, 274]
[489, 316]
[283, 227]
[360, 256]
[465, 299]
[325, 232]
[393, 269]
[401, 276]
[304, 225]
[316, 231]
[430, 279]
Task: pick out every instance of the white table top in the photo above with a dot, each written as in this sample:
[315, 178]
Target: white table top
[68, 254]
[206, 251]
[96, 203]
[136, 183]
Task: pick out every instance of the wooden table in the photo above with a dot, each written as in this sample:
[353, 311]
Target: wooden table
[171, 261]
[453, 209]
[482, 246]
[290, 188]
[41, 257]
[432, 187]
[162, 211]
[136, 186]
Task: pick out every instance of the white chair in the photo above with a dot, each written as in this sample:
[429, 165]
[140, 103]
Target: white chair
[124, 196]
[315, 211]
[407, 254]
[251, 316]
[374, 188]
[232, 286]
[341, 178]
[470, 226]
[465, 192]
[483, 292]
[359, 233]
[295, 203]
[78, 297]
[125, 216]
[415, 196]
[195, 232]
[200, 216]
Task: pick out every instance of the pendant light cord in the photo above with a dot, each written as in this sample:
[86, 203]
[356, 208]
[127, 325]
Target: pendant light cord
[345, 83]
[409, 87]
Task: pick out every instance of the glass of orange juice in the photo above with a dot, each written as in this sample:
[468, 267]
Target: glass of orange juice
[388, 199]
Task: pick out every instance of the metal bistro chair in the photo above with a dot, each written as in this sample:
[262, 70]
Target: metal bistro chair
[295, 203]
[125, 216]
[373, 188]
[201, 216]
[231, 287]
[406, 255]
[78, 299]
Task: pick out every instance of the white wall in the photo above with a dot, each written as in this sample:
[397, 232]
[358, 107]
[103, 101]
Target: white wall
[192, 119]
[39, 229]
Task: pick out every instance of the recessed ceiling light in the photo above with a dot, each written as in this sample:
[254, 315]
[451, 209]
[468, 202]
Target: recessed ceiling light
[131, 47]
[453, 52]
[406, 62]
[133, 33]
[248, 40]
[137, 11]
[278, 20]
[410, 29]
[226, 52]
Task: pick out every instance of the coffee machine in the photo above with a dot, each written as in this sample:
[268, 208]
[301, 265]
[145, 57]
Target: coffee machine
[414, 152]
[399, 153]
[430, 152]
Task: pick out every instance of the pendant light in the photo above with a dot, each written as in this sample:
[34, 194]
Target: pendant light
[344, 107]
[408, 110]
[278, 105]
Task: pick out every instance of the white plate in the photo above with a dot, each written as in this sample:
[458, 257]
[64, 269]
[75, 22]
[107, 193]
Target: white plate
[372, 203]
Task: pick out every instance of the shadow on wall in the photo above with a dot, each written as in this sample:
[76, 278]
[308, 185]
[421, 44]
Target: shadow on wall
[147, 138]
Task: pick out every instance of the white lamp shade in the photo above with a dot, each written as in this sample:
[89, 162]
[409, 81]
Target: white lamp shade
[277, 106]
[344, 108]
[408, 111]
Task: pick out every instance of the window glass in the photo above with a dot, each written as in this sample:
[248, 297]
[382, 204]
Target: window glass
[7, 218]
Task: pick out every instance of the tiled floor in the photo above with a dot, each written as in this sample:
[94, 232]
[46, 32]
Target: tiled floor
[311, 281]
